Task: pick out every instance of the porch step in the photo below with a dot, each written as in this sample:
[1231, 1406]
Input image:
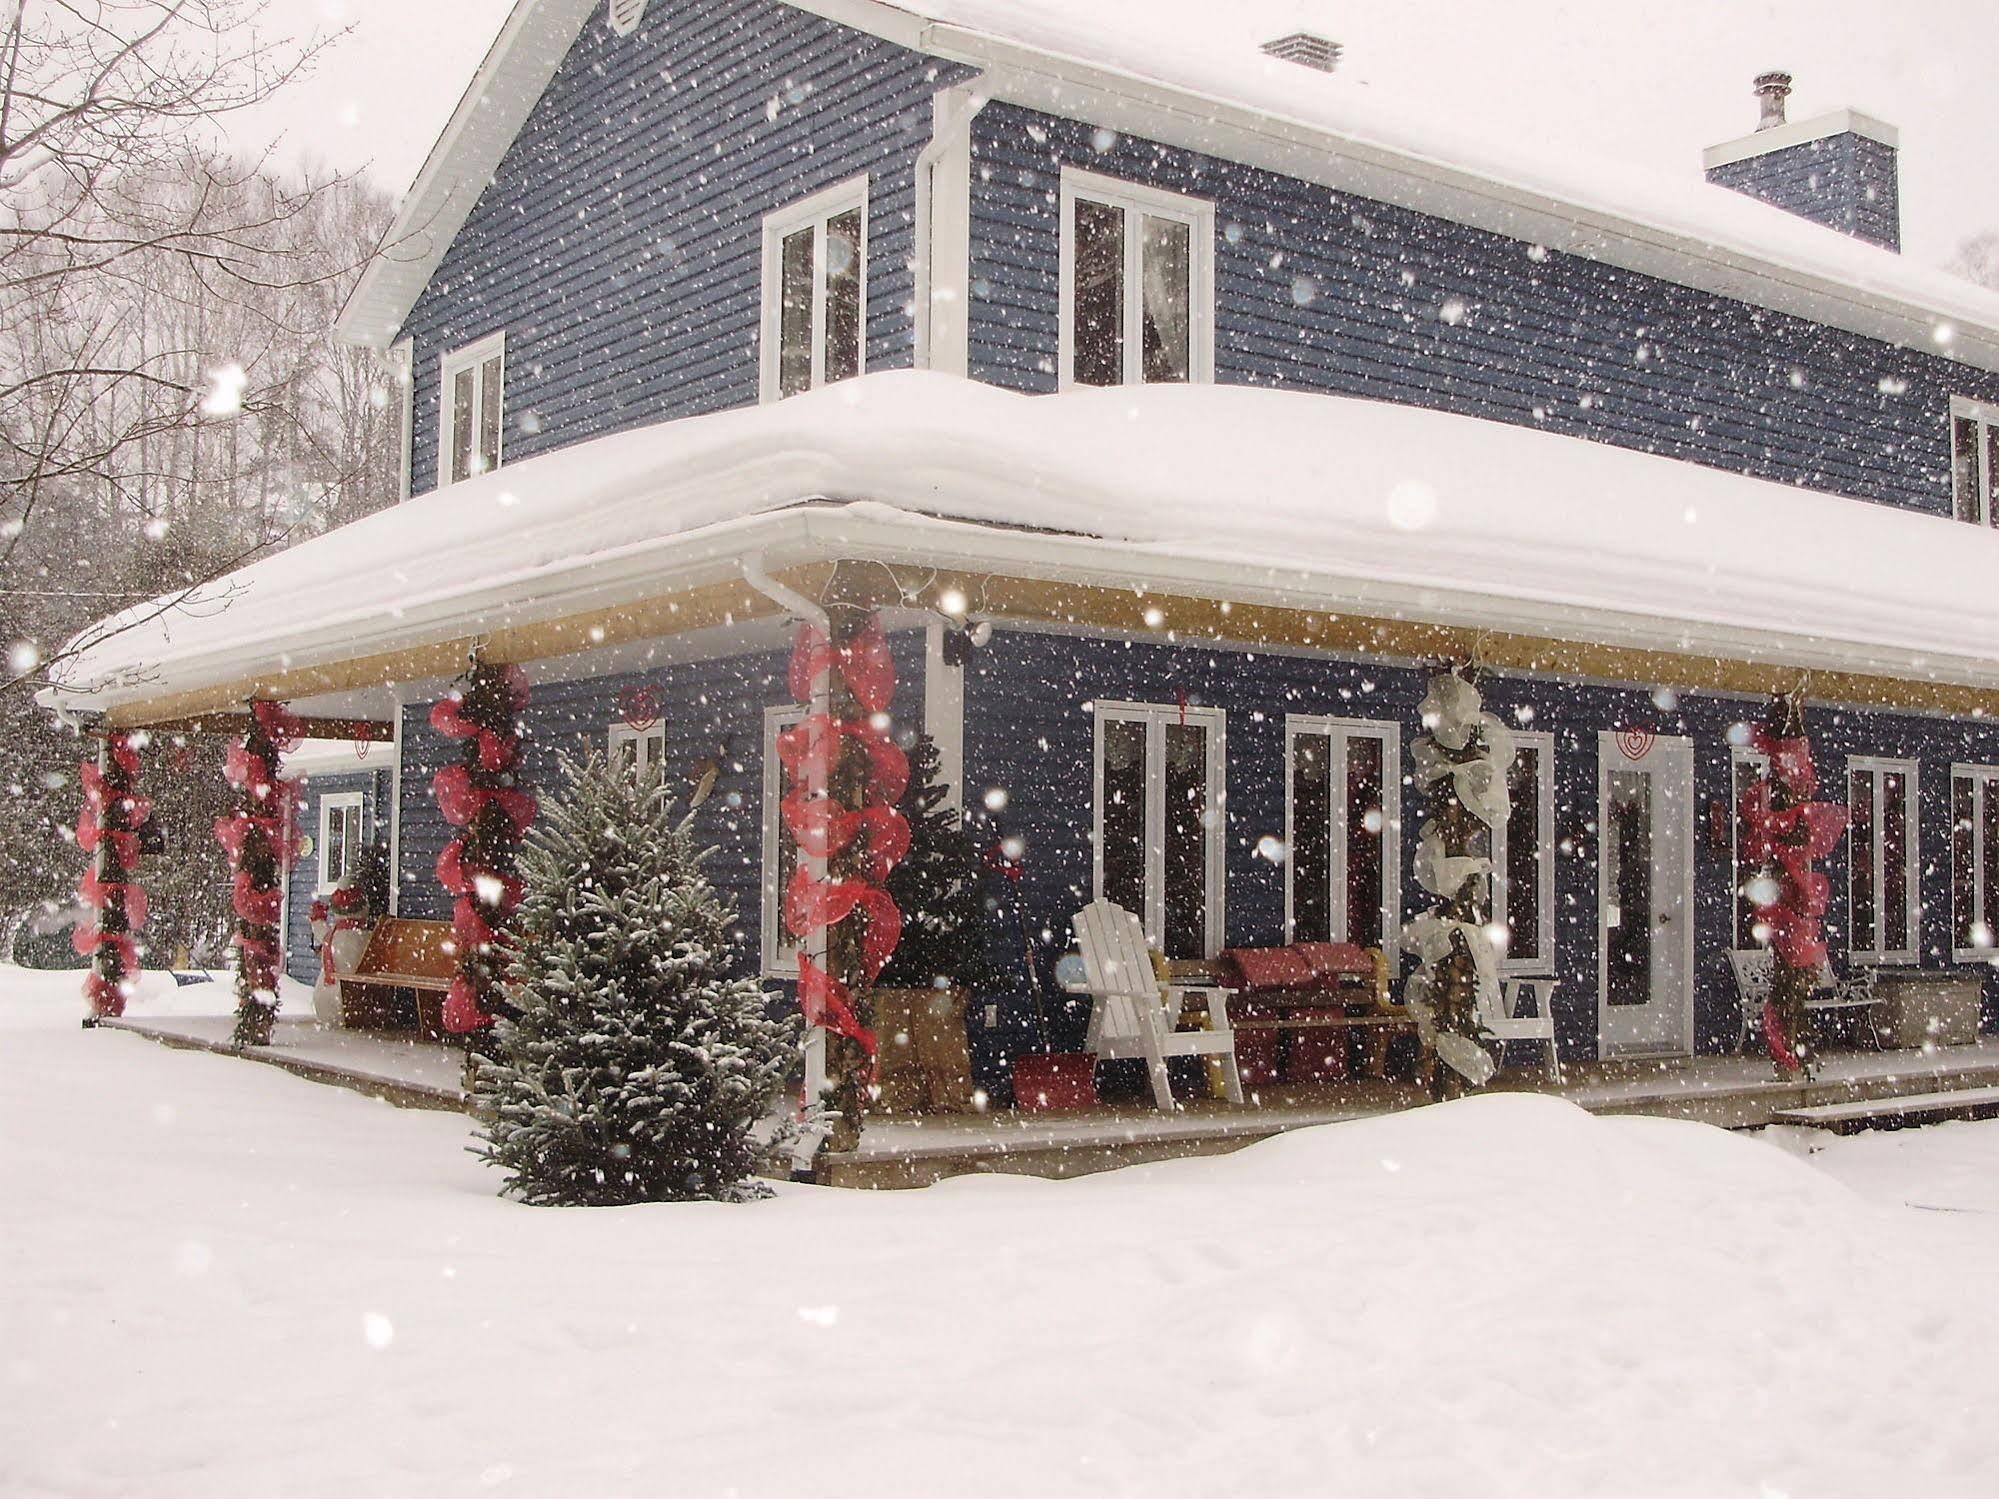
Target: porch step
[1894, 1113]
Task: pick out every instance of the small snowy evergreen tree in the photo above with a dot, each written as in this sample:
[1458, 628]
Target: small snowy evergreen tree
[638, 1066]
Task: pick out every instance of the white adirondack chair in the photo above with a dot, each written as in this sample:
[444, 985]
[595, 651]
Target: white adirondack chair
[1132, 1014]
[1504, 1022]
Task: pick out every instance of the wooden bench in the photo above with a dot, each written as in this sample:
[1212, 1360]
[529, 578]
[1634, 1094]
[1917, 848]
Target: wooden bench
[1894, 1113]
[401, 980]
[1380, 1028]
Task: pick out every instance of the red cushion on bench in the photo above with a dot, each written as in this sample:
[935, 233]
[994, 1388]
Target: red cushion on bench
[1270, 967]
[1337, 959]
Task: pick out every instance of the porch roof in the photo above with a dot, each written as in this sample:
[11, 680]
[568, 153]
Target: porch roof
[1280, 499]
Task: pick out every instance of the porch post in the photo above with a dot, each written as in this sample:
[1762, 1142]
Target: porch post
[261, 843]
[108, 830]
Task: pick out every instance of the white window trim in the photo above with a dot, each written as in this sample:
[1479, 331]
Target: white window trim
[780, 959]
[778, 225]
[338, 801]
[1155, 717]
[1341, 730]
[402, 366]
[1879, 768]
[1197, 213]
[1744, 766]
[449, 364]
[1543, 744]
[650, 742]
[1963, 408]
[1985, 782]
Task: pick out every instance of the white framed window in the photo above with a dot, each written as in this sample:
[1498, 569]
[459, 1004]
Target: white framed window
[637, 749]
[1342, 831]
[1884, 905]
[471, 406]
[815, 291]
[1974, 862]
[780, 853]
[1159, 823]
[1974, 461]
[1523, 858]
[340, 835]
[402, 395]
[1137, 284]
[1745, 768]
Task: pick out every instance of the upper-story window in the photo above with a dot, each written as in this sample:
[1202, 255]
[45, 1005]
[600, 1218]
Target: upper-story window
[471, 395]
[1974, 461]
[815, 290]
[1137, 283]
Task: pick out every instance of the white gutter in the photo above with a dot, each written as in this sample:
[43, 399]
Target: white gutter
[814, 945]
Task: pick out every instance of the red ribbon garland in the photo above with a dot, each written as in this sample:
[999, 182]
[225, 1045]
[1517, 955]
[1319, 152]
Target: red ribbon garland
[270, 807]
[822, 828]
[1792, 839]
[107, 825]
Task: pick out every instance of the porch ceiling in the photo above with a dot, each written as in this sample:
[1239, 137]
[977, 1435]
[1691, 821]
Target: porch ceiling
[1225, 513]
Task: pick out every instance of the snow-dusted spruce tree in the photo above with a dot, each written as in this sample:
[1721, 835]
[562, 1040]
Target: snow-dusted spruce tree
[637, 1067]
[1461, 758]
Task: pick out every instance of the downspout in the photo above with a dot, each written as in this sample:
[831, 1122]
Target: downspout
[952, 109]
[800, 607]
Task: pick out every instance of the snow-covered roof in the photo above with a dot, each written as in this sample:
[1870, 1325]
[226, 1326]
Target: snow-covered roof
[1307, 501]
[1191, 74]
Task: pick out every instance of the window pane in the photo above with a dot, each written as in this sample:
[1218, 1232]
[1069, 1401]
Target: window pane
[843, 296]
[1964, 469]
[1860, 851]
[1311, 854]
[794, 336]
[1099, 310]
[489, 415]
[1187, 833]
[1523, 856]
[1895, 855]
[1166, 274]
[781, 861]
[1365, 828]
[1963, 829]
[1991, 472]
[1124, 814]
[461, 424]
[1627, 871]
[1988, 878]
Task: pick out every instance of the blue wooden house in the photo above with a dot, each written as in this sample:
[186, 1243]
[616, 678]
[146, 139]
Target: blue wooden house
[1184, 410]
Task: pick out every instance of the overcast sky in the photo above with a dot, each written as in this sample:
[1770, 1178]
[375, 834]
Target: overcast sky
[1649, 81]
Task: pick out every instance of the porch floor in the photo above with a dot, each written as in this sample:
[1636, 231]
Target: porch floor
[401, 1068]
[1729, 1092]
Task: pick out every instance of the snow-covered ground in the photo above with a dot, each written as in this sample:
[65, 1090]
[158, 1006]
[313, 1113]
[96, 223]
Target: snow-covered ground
[219, 1280]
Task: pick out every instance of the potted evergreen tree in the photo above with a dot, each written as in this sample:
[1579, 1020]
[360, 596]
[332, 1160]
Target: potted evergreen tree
[920, 999]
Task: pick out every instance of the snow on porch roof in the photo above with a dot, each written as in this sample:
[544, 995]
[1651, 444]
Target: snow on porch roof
[1317, 502]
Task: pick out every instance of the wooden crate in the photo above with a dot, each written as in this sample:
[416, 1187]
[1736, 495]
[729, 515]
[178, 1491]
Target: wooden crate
[1920, 1008]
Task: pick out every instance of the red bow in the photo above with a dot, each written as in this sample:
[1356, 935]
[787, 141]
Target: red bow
[461, 1008]
[825, 1002]
[863, 662]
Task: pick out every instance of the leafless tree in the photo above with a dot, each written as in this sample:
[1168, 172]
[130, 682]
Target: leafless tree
[1977, 259]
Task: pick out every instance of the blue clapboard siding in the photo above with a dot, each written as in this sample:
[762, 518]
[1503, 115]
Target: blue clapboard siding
[1327, 291]
[301, 959]
[712, 709]
[620, 243]
[1847, 182]
[1029, 730]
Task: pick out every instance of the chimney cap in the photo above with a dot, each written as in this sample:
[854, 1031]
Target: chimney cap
[1772, 89]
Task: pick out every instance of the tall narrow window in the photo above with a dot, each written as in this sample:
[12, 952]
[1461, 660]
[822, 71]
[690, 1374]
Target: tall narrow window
[1137, 284]
[1745, 768]
[1523, 859]
[1343, 781]
[1159, 821]
[1883, 906]
[1974, 862]
[471, 401]
[815, 291]
[340, 835]
[780, 854]
[1974, 461]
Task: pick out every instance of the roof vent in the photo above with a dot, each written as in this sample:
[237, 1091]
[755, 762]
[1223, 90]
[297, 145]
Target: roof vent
[625, 15]
[1772, 89]
[1307, 50]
